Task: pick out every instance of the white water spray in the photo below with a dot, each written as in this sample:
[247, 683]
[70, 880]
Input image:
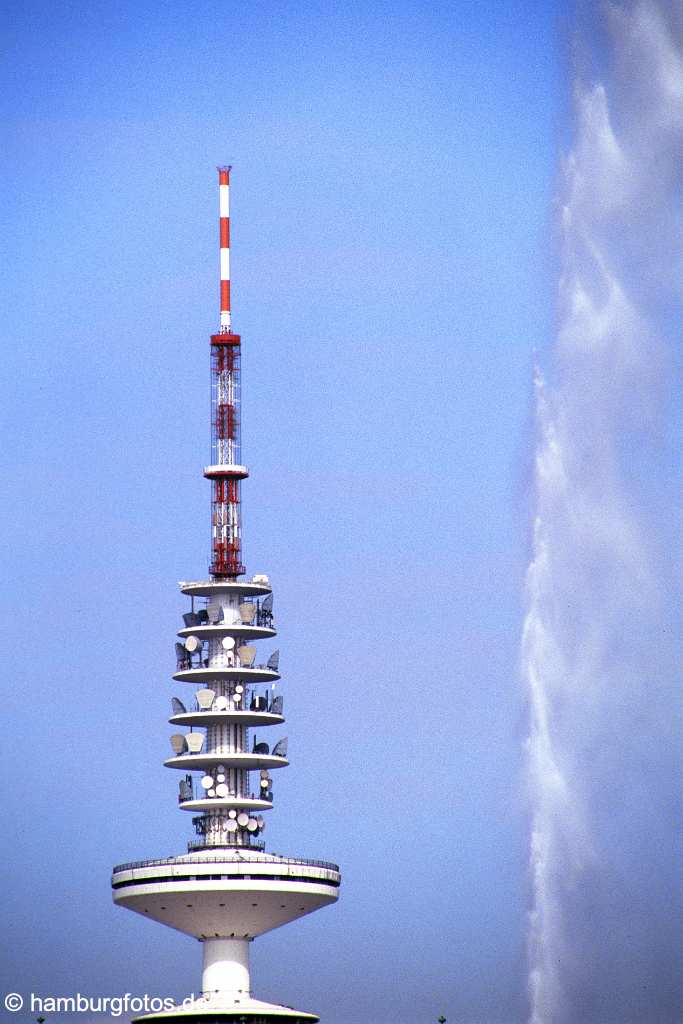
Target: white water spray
[604, 751]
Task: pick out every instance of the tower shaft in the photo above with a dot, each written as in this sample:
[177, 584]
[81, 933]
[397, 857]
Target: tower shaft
[225, 969]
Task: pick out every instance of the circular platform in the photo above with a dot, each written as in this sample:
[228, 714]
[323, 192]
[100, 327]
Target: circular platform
[245, 1011]
[207, 588]
[206, 718]
[252, 762]
[232, 469]
[217, 803]
[229, 629]
[259, 674]
[230, 893]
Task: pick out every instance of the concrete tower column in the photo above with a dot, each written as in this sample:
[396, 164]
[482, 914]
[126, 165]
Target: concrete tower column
[225, 971]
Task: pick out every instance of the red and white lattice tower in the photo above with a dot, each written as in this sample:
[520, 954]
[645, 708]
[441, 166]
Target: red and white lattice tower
[226, 889]
[226, 469]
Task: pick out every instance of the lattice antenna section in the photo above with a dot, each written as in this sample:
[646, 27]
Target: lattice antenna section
[226, 470]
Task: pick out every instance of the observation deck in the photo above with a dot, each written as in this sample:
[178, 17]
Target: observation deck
[233, 893]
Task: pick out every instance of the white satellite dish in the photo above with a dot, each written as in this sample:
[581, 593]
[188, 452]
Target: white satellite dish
[239, 689]
[252, 824]
[211, 792]
[195, 741]
[220, 777]
[221, 789]
[232, 814]
[231, 825]
[178, 743]
[265, 783]
[227, 643]
[207, 782]
[264, 773]
[220, 768]
[237, 697]
[221, 703]
[260, 822]
[205, 699]
[192, 644]
[242, 819]
[246, 654]
[247, 612]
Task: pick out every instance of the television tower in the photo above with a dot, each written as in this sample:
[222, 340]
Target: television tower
[226, 890]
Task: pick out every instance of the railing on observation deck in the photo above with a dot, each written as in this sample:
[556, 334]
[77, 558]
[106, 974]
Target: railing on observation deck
[263, 707]
[186, 663]
[208, 859]
[202, 844]
[262, 618]
[193, 790]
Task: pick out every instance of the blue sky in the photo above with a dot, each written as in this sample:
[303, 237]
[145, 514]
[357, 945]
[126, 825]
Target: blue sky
[394, 272]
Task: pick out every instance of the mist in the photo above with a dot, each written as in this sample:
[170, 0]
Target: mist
[599, 648]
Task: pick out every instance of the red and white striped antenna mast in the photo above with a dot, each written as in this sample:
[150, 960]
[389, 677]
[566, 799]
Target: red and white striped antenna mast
[226, 469]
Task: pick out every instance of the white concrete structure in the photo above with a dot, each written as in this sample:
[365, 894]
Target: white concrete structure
[226, 890]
